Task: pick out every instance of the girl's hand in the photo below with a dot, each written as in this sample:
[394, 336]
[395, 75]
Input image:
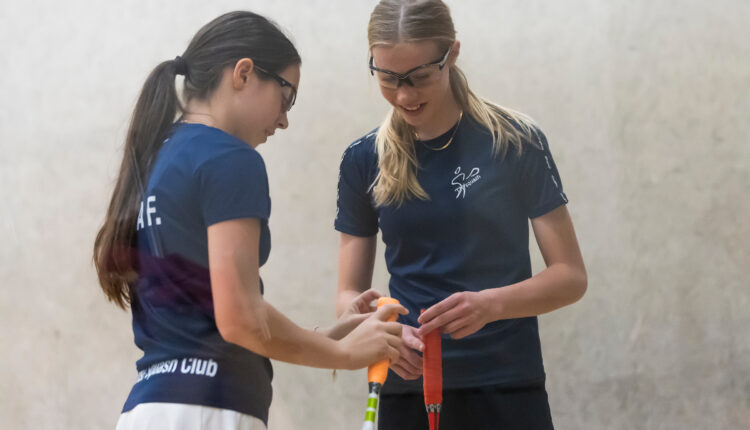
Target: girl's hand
[358, 310]
[373, 340]
[460, 315]
[409, 364]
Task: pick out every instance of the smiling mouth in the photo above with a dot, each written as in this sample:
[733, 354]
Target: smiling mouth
[413, 108]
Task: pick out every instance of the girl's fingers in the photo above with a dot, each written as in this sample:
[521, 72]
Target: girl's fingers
[394, 328]
[455, 325]
[409, 366]
[437, 310]
[393, 354]
[412, 358]
[405, 373]
[394, 340]
[365, 299]
[387, 311]
[439, 322]
[464, 331]
[412, 339]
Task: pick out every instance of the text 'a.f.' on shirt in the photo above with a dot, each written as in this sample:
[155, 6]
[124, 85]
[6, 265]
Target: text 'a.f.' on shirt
[201, 176]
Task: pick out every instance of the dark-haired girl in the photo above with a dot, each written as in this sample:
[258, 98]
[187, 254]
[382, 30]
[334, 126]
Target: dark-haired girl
[187, 231]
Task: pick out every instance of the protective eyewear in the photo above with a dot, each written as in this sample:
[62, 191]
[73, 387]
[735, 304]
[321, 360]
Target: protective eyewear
[420, 76]
[288, 91]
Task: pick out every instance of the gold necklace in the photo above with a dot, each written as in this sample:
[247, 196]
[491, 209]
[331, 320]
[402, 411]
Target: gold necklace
[458, 123]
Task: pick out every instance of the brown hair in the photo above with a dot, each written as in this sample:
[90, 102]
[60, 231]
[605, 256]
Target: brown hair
[219, 44]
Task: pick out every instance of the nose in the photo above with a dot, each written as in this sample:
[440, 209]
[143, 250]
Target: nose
[283, 121]
[405, 94]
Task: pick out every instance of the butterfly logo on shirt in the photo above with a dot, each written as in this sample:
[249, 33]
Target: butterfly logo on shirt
[462, 182]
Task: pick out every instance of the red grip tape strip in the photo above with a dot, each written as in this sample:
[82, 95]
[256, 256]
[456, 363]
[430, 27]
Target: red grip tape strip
[432, 368]
[432, 373]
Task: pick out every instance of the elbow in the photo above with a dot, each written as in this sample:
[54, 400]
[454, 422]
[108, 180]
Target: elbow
[580, 285]
[249, 336]
[229, 332]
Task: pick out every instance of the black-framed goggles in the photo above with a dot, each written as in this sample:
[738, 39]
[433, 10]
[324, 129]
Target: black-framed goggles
[419, 76]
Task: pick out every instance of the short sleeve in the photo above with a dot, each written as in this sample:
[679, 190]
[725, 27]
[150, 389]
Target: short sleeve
[355, 213]
[234, 184]
[539, 185]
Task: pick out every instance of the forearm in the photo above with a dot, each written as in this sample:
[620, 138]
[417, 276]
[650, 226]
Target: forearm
[287, 342]
[345, 297]
[557, 286]
[356, 265]
[339, 329]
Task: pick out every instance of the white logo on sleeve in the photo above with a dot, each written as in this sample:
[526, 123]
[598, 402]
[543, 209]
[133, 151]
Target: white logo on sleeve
[150, 210]
[461, 181]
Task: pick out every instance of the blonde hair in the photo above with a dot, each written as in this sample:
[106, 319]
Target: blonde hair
[394, 21]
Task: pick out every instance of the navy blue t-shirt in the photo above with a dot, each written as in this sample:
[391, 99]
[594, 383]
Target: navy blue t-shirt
[472, 234]
[201, 176]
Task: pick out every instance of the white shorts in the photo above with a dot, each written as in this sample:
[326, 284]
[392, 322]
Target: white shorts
[176, 416]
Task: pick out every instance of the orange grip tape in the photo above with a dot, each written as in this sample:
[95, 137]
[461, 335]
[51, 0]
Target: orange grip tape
[378, 372]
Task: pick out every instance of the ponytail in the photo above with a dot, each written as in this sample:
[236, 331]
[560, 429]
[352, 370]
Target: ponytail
[508, 127]
[153, 116]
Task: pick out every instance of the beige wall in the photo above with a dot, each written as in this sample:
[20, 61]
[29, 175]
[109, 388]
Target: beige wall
[646, 106]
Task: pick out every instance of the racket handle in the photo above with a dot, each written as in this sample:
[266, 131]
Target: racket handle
[378, 372]
[432, 368]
